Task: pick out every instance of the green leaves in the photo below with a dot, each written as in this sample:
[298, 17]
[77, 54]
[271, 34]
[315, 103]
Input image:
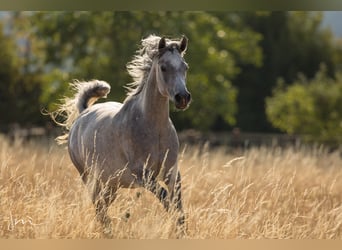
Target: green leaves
[235, 59]
[312, 108]
[87, 45]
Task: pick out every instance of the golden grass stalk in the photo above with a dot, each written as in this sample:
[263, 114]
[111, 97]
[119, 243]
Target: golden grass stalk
[292, 193]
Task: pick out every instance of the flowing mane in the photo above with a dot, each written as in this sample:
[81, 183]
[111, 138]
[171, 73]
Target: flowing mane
[140, 66]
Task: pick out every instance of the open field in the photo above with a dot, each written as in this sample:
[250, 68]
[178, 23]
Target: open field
[273, 193]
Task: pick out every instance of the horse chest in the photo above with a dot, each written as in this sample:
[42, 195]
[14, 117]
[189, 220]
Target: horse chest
[145, 145]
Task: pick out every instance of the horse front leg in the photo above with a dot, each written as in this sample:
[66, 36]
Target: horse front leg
[175, 200]
[170, 195]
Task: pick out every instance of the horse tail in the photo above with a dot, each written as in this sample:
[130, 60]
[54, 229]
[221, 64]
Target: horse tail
[86, 94]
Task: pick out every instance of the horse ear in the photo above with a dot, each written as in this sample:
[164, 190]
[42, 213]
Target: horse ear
[162, 43]
[183, 44]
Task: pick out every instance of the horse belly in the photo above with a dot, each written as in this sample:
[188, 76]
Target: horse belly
[92, 142]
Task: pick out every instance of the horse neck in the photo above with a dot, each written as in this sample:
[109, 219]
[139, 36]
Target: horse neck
[155, 107]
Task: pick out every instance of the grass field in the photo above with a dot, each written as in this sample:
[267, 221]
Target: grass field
[293, 193]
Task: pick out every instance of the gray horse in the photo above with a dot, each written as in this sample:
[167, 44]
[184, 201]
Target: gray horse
[134, 144]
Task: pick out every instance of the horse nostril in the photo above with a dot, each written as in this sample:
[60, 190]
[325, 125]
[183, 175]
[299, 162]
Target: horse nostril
[182, 100]
[178, 98]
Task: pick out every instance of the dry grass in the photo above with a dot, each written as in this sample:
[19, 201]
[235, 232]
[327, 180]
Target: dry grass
[261, 193]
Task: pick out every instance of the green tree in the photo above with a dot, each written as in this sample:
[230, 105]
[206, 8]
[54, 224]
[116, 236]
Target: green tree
[312, 108]
[292, 42]
[87, 45]
[8, 78]
[19, 89]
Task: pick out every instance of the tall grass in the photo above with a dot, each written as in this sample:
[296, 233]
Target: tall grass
[274, 193]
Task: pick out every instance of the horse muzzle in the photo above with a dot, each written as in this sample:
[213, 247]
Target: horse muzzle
[182, 100]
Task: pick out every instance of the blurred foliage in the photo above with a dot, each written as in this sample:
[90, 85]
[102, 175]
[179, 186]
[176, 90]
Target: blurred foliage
[20, 86]
[312, 108]
[292, 43]
[235, 59]
[87, 45]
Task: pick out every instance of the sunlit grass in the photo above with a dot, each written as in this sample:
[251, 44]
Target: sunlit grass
[275, 193]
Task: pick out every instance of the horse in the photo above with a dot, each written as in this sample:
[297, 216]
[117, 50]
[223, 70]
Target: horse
[131, 144]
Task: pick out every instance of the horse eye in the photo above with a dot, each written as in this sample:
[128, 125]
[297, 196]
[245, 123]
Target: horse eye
[163, 68]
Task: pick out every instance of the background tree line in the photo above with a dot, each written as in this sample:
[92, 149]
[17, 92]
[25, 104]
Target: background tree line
[241, 63]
